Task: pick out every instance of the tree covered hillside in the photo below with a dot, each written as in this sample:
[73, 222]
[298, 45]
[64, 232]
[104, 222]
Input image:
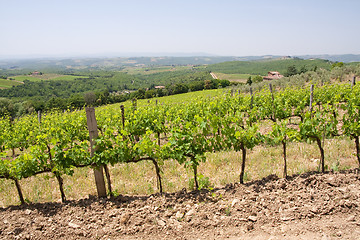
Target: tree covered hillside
[263, 66]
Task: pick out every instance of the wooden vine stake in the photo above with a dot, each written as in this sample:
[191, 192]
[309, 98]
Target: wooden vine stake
[353, 82]
[271, 90]
[311, 97]
[39, 116]
[122, 108]
[284, 156]
[93, 133]
[252, 98]
[272, 97]
[242, 172]
[134, 103]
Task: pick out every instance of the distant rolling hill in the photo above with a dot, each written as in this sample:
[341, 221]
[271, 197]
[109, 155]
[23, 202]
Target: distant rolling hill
[346, 58]
[119, 62]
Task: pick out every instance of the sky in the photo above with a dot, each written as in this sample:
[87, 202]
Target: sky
[225, 28]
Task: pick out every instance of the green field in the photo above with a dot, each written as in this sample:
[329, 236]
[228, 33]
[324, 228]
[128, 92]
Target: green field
[180, 98]
[147, 70]
[4, 83]
[18, 80]
[49, 76]
[234, 77]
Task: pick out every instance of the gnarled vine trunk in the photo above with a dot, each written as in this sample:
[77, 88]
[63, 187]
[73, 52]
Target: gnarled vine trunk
[243, 150]
[322, 159]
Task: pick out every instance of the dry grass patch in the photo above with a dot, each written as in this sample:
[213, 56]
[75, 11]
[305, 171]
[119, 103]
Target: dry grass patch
[220, 168]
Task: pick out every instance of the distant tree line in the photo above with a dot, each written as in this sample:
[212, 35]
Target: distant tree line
[292, 70]
[16, 108]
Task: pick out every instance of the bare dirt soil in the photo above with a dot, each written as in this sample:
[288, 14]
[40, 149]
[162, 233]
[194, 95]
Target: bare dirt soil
[307, 206]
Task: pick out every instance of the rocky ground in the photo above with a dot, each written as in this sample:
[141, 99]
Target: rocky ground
[307, 206]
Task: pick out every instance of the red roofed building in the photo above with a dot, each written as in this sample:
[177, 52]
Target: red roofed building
[273, 75]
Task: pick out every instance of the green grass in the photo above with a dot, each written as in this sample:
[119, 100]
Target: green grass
[50, 76]
[239, 77]
[67, 77]
[147, 70]
[182, 98]
[172, 99]
[220, 169]
[4, 83]
[187, 97]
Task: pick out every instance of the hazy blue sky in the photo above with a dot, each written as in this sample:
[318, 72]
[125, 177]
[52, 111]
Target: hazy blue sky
[227, 27]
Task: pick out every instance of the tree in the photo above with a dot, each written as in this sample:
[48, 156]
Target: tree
[150, 93]
[180, 88]
[196, 86]
[257, 79]
[249, 81]
[90, 98]
[160, 92]
[140, 94]
[6, 108]
[303, 69]
[337, 64]
[211, 84]
[291, 70]
[224, 83]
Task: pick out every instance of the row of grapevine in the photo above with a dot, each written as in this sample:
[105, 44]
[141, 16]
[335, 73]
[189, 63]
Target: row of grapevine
[60, 142]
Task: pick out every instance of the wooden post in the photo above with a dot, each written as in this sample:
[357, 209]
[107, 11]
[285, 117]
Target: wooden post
[272, 97]
[39, 116]
[134, 102]
[271, 90]
[93, 133]
[252, 98]
[311, 97]
[353, 82]
[11, 119]
[122, 115]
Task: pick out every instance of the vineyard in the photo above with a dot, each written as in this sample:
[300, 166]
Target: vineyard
[60, 142]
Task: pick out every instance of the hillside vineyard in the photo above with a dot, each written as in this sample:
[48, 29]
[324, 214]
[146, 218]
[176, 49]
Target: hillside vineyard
[58, 142]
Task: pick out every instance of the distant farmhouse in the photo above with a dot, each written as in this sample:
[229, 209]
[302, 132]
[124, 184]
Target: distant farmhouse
[36, 73]
[272, 76]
